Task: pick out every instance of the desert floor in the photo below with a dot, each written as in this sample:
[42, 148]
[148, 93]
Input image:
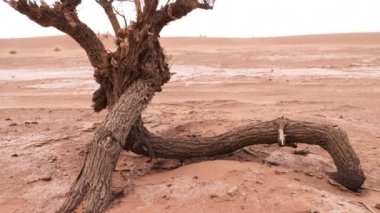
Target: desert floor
[46, 120]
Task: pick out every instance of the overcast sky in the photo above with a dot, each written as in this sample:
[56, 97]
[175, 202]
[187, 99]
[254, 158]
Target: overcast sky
[231, 18]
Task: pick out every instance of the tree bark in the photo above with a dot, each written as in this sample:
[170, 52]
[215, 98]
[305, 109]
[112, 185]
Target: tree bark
[95, 178]
[331, 138]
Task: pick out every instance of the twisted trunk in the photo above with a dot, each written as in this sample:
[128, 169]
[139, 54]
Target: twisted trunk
[331, 138]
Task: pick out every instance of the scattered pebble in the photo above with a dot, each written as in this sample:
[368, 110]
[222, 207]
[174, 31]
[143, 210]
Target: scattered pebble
[277, 172]
[377, 206]
[8, 119]
[232, 191]
[48, 178]
[309, 174]
[195, 177]
[13, 124]
[14, 155]
[301, 152]
[297, 179]
[213, 196]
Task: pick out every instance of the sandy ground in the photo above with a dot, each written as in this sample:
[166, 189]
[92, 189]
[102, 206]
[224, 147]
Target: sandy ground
[46, 121]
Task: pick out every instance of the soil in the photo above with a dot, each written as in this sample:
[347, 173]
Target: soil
[46, 121]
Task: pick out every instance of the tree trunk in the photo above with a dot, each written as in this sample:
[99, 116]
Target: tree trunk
[95, 178]
[331, 138]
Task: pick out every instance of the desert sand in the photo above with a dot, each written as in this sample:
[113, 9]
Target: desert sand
[218, 84]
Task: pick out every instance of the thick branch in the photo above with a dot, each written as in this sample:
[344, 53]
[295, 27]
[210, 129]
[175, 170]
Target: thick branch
[63, 16]
[109, 10]
[177, 10]
[332, 139]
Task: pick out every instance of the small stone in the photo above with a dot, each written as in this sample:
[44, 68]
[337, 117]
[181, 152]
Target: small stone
[377, 206]
[259, 182]
[48, 178]
[213, 196]
[14, 155]
[8, 119]
[309, 174]
[195, 177]
[277, 172]
[297, 179]
[34, 122]
[169, 185]
[232, 191]
[13, 124]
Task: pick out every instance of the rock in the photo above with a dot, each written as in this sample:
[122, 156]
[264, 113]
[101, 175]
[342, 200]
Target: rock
[8, 119]
[301, 152]
[13, 124]
[14, 155]
[232, 191]
[47, 178]
[277, 172]
[309, 174]
[213, 196]
[377, 206]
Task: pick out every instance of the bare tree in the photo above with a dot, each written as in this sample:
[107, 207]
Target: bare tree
[128, 79]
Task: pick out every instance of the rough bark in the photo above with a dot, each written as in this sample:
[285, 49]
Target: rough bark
[331, 138]
[95, 178]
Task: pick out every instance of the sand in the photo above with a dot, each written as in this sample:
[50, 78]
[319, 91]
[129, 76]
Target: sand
[46, 120]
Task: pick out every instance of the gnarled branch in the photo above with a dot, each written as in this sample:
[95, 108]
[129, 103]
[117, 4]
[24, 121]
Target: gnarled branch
[332, 139]
[177, 10]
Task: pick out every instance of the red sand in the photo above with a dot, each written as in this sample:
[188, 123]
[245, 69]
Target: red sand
[46, 120]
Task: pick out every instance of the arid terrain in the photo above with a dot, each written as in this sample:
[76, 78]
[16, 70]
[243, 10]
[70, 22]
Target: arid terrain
[217, 84]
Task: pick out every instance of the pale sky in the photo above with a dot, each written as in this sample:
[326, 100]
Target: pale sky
[231, 18]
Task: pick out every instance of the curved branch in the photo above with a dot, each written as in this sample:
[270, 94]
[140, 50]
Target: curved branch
[176, 10]
[330, 138]
[63, 16]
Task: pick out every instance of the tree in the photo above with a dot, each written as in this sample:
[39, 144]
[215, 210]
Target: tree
[128, 79]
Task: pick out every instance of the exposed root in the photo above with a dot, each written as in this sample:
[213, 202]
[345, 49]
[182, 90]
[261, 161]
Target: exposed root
[332, 139]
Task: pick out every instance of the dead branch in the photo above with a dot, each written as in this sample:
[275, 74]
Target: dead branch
[122, 15]
[177, 10]
[109, 10]
[332, 139]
